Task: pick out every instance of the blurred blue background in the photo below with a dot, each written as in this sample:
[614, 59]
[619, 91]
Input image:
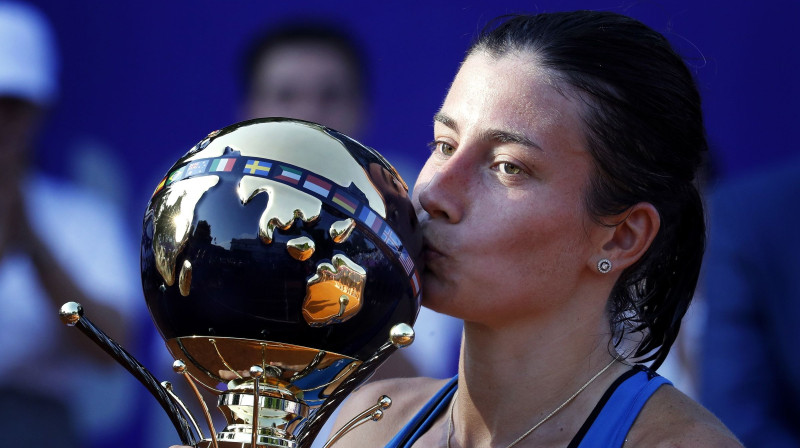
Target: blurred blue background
[143, 81]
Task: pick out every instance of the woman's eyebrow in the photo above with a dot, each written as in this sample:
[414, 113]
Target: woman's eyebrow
[496, 135]
[445, 119]
[502, 136]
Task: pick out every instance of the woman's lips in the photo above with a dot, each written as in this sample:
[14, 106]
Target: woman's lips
[430, 253]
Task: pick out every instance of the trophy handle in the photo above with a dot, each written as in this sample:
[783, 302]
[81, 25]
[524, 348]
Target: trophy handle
[168, 387]
[71, 314]
[401, 335]
[373, 413]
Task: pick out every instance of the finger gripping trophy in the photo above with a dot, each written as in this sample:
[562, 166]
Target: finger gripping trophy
[279, 263]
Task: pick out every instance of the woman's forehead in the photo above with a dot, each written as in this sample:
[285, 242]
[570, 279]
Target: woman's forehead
[511, 91]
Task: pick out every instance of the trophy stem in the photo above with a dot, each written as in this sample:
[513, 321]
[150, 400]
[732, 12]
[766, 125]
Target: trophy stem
[71, 314]
[256, 372]
[180, 368]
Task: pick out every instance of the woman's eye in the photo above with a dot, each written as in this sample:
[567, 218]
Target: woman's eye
[508, 168]
[445, 148]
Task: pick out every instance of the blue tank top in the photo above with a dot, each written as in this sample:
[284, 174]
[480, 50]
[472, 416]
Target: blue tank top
[606, 427]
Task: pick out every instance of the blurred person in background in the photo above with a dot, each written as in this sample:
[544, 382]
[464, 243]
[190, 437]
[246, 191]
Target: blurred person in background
[58, 243]
[749, 363]
[309, 71]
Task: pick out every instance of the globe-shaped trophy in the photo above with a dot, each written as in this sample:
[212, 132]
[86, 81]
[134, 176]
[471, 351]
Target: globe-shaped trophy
[279, 263]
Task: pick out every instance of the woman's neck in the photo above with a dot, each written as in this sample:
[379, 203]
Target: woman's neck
[512, 377]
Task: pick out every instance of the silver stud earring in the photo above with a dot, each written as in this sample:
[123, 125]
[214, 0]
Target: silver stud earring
[604, 265]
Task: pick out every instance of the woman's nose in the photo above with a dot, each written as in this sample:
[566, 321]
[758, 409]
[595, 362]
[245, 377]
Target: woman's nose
[439, 191]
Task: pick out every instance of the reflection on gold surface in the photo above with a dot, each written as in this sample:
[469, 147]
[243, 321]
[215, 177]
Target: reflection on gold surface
[341, 230]
[213, 360]
[285, 204]
[401, 335]
[301, 248]
[185, 278]
[228, 367]
[334, 293]
[346, 372]
[172, 220]
[70, 313]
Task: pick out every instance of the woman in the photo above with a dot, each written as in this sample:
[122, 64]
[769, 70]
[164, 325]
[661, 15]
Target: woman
[563, 225]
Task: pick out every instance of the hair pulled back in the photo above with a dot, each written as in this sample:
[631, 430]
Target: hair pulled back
[644, 129]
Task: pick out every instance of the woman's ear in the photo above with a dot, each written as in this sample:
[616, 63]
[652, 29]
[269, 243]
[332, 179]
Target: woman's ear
[632, 236]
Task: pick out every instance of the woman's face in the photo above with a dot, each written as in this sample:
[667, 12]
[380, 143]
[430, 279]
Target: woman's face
[500, 199]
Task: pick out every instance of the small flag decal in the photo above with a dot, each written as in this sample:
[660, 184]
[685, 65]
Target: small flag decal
[415, 283]
[258, 167]
[176, 175]
[407, 263]
[345, 202]
[371, 219]
[160, 186]
[289, 175]
[196, 167]
[317, 185]
[391, 239]
[224, 164]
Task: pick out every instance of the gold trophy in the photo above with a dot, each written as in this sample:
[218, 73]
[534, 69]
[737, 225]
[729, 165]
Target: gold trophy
[279, 263]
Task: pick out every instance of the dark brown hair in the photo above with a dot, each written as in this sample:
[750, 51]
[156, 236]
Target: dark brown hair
[644, 128]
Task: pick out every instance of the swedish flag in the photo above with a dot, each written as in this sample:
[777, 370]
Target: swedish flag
[257, 167]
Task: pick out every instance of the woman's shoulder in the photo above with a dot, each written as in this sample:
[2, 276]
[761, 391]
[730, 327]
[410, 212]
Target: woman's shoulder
[408, 396]
[672, 419]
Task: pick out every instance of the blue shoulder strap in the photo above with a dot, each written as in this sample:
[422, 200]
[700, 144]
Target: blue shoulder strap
[425, 417]
[612, 418]
[606, 427]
